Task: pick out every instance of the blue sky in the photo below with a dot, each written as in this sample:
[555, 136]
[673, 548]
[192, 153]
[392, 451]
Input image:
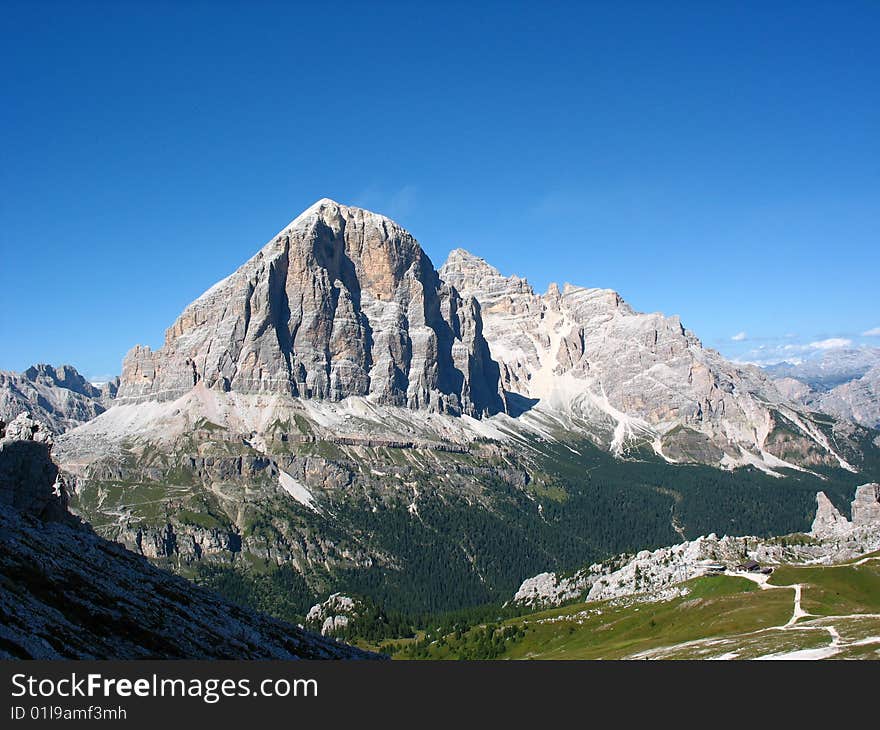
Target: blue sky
[720, 161]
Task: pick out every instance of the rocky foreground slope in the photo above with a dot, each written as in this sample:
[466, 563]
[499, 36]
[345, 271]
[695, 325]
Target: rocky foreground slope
[67, 593]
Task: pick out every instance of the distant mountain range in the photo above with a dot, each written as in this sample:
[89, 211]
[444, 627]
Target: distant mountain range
[59, 398]
[827, 369]
[842, 382]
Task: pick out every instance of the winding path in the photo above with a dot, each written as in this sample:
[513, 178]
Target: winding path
[835, 646]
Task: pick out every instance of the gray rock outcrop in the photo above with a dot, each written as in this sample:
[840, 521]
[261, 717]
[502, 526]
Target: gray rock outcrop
[333, 615]
[866, 506]
[29, 480]
[828, 520]
[865, 510]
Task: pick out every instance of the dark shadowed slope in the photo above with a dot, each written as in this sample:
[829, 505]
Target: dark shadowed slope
[67, 593]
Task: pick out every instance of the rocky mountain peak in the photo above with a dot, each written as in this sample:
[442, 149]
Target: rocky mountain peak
[63, 376]
[342, 302]
[474, 276]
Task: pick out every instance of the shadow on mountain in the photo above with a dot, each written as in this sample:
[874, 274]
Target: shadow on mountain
[67, 593]
[518, 404]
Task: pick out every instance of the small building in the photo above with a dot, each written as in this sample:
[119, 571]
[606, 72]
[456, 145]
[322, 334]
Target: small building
[752, 566]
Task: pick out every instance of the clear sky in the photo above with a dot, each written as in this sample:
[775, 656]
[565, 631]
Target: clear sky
[716, 160]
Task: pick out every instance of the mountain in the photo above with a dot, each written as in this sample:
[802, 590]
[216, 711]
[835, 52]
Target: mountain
[825, 369]
[592, 363]
[842, 382]
[857, 400]
[59, 398]
[67, 593]
[342, 302]
[338, 417]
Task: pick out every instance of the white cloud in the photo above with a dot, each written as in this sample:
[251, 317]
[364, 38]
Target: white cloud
[830, 343]
[739, 337]
[874, 332]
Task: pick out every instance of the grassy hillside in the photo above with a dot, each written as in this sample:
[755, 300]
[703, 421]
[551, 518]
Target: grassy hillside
[720, 617]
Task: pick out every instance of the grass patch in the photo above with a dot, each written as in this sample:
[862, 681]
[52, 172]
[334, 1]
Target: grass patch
[715, 607]
[834, 590]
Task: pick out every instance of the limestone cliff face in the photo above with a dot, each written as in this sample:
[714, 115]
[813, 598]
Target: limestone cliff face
[866, 505]
[828, 521]
[343, 302]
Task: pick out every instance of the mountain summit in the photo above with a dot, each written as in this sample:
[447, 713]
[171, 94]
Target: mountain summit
[342, 302]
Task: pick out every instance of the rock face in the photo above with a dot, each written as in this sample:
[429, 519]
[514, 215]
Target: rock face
[67, 593]
[865, 514]
[29, 479]
[551, 589]
[793, 389]
[828, 520]
[25, 428]
[342, 302]
[857, 400]
[58, 398]
[333, 615]
[586, 356]
[866, 506]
